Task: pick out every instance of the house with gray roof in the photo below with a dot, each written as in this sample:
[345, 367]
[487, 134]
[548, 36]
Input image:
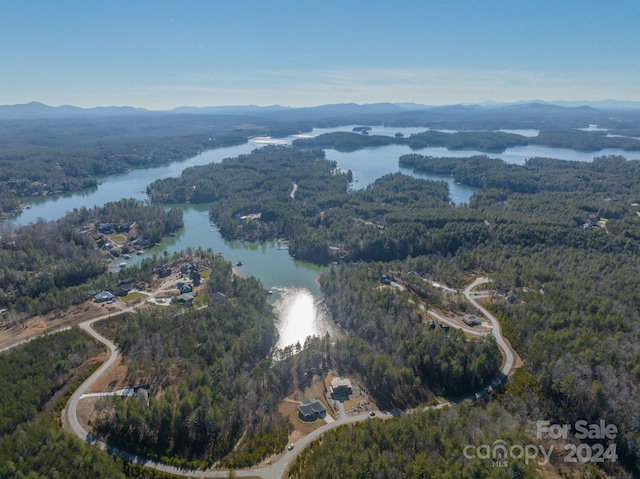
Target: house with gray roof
[103, 296]
[341, 388]
[311, 409]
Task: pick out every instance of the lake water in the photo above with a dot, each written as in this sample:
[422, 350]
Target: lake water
[296, 294]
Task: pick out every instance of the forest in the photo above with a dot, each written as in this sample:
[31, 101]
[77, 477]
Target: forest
[41, 157]
[390, 343]
[484, 141]
[48, 265]
[559, 238]
[490, 142]
[287, 188]
[211, 384]
[58, 152]
[36, 381]
[216, 380]
[425, 444]
[32, 443]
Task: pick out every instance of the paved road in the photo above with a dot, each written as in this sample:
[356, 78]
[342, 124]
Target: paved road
[27, 340]
[71, 411]
[509, 354]
[453, 324]
[274, 471]
[277, 469]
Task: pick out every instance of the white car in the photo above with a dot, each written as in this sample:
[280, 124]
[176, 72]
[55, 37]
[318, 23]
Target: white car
[290, 446]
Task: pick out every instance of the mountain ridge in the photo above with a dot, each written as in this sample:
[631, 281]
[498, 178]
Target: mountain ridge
[38, 110]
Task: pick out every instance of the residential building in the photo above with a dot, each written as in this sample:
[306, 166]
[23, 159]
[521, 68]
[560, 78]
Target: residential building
[103, 296]
[471, 320]
[311, 409]
[341, 387]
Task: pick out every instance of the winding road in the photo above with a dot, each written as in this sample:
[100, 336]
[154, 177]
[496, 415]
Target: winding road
[278, 468]
[509, 354]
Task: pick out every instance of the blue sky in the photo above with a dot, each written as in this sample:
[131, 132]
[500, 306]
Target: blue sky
[163, 54]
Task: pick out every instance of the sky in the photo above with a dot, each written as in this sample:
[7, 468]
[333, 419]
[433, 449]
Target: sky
[164, 54]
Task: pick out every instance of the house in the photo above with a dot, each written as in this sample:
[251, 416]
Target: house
[341, 387]
[311, 409]
[103, 296]
[471, 320]
[185, 298]
[124, 289]
[142, 393]
[218, 297]
[105, 228]
[163, 272]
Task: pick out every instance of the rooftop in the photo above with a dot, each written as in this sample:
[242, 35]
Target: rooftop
[311, 406]
[340, 383]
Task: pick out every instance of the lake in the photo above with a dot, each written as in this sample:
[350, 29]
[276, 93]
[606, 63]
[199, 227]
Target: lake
[296, 294]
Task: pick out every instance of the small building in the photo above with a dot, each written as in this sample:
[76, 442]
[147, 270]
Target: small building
[103, 296]
[311, 409]
[163, 272]
[142, 393]
[512, 298]
[124, 289]
[341, 387]
[219, 297]
[471, 320]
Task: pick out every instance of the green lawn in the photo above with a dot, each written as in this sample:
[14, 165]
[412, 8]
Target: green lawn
[120, 239]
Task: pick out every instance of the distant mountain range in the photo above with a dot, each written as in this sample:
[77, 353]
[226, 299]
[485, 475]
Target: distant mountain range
[40, 110]
[36, 110]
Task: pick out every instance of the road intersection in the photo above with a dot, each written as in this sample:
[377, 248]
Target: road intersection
[277, 469]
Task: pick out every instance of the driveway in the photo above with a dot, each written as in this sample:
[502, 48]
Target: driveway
[277, 469]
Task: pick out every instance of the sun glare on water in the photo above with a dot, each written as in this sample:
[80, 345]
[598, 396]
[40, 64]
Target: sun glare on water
[298, 316]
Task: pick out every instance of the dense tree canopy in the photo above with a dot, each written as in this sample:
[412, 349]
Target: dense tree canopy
[485, 141]
[54, 264]
[209, 376]
[32, 445]
[561, 240]
[420, 445]
[391, 344]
